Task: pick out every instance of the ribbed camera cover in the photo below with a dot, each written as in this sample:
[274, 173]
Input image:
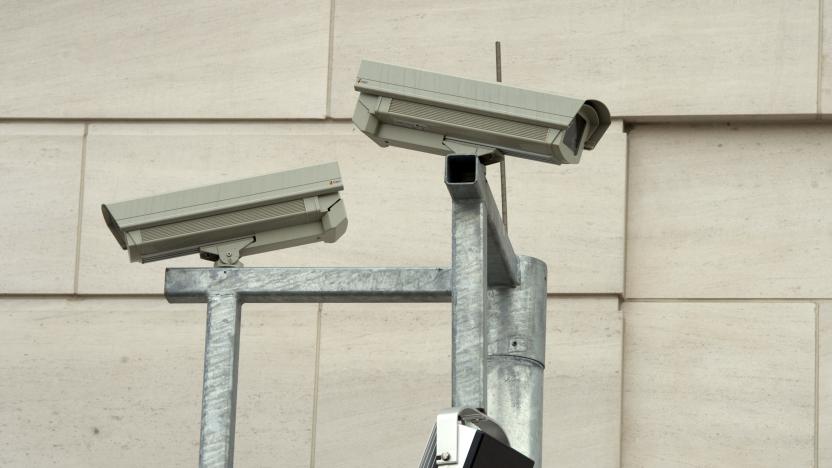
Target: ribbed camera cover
[224, 220]
[468, 119]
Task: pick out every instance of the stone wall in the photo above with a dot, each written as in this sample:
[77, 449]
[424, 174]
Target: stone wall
[690, 254]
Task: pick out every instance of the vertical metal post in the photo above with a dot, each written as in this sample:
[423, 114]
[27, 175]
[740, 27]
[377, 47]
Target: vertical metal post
[219, 381]
[468, 298]
[516, 357]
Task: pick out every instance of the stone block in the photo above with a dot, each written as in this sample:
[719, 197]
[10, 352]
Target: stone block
[98, 382]
[718, 384]
[40, 182]
[385, 372]
[729, 211]
[158, 60]
[582, 403]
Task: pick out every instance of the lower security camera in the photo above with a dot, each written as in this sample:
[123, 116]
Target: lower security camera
[468, 438]
[225, 221]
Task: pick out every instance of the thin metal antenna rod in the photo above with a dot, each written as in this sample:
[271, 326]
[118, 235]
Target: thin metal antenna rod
[499, 62]
[504, 195]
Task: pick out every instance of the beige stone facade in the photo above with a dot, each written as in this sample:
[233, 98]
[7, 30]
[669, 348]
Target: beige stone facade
[690, 254]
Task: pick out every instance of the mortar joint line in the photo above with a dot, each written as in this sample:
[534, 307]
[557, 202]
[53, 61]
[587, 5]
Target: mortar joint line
[819, 89]
[817, 384]
[621, 390]
[316, 386]
[751, 300]
[330, 59]
[78, 229]
[625, 130]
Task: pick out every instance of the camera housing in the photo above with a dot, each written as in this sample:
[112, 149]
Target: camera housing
[444, 114]
[468, 438]
[242, 217]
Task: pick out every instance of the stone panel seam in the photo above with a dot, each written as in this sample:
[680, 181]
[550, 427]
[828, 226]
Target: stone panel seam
[767, 300]
[608, 295]
[315, 387]
[330, 59]
[626, 130]
[817, 385]
[630, 120]
[189, 120]
[621, 386]
[82, 176]
[819, 90]
[567, 295]
[78, 297]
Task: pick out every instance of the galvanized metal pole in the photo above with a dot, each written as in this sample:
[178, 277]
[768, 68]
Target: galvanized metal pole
[482, 257]
[469, 302]
[516, 357]
[226, 289]
[516, 312]
[219, 381]
[299, 285]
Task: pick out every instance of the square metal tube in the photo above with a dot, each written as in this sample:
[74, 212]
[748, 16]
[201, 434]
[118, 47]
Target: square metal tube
[465, 180]
[219, 381]
[469, 303]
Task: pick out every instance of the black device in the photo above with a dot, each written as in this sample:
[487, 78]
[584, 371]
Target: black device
[488, 452]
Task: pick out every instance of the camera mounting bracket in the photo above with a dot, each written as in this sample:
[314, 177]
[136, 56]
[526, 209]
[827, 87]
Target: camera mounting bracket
[226, 254]
[486, 154]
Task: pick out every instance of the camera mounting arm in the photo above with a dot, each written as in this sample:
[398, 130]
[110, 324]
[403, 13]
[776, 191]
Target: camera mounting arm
[226, 254]
[486, 154]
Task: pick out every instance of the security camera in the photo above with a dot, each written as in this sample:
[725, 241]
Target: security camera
[445, 115]
[468, 438]
[224, 221]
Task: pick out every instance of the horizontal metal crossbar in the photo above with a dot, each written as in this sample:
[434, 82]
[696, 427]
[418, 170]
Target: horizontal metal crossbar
[189, 285]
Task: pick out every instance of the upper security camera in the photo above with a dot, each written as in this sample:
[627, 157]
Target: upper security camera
[225, 221]
[444, 114]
